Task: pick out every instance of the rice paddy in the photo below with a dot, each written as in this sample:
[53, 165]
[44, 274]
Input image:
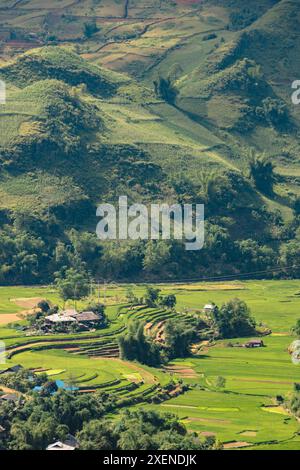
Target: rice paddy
[242, 415]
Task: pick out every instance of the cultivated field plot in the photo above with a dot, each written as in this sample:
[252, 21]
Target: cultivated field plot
[84, 372]
[231, 417]
[36, 192]
[9, 297]
[245, 410]
[275, 303]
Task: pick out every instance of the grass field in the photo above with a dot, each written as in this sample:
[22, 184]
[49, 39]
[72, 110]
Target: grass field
[243, 414]
[253, 379]
[82, 370]
[231, 417]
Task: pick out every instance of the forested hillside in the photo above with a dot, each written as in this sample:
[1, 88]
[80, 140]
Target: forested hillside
[186, 101]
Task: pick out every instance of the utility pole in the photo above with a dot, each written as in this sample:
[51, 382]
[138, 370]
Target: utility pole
[91, 288]
[75, 296]
[98, 292]
[104, 293]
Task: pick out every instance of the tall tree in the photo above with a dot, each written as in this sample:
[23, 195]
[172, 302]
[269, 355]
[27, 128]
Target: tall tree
[73, 285]
[234, 319]
[262, 172]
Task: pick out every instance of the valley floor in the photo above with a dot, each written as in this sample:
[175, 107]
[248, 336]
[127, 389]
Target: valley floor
[243, 415]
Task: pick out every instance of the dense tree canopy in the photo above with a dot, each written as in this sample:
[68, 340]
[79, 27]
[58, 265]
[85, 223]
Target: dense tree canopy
[234, 320]
[73, 285]
[42, 419]
[179, 337]
[136, 345]
[140, 430]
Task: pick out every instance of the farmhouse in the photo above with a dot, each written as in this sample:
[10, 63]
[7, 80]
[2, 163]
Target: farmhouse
[60, 446]
[83, 320]
[60, 318]
[70, 312]
[11, 370]
[255, 343]
[71, 443]
[209, 308]
[88, 318]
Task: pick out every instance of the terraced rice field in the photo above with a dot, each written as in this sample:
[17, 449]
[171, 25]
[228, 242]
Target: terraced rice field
[243, 415]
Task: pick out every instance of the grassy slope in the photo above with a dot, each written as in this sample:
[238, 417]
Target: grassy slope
[175, 35]
[253, 377]
[131, 116]
[191, 52]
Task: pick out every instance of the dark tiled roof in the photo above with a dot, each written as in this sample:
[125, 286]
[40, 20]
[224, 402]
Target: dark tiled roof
[9, 397]
[88, 316]
[11, 369]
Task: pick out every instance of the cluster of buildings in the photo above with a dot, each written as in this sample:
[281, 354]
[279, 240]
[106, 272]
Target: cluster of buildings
[86, 320]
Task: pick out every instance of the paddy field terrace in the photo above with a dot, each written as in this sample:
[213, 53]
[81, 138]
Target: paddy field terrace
[244, 414]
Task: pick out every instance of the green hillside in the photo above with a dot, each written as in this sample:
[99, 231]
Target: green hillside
[61, 64]
[179, 102]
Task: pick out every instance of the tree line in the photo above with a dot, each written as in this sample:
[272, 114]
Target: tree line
[40, 419]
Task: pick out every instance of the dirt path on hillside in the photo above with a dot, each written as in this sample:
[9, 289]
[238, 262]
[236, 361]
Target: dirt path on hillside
[28, 346]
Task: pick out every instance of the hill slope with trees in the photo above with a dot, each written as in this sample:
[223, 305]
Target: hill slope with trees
[173, 103]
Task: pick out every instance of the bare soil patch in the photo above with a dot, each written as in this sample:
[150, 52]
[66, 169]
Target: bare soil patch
[236, 445]
[6, 318]
[275, 382]
[211, 287]
[187, 372]
[27, 302]
[70, 349]
[207, 434]
[248, 433]
[7, 390]
[209, 420]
